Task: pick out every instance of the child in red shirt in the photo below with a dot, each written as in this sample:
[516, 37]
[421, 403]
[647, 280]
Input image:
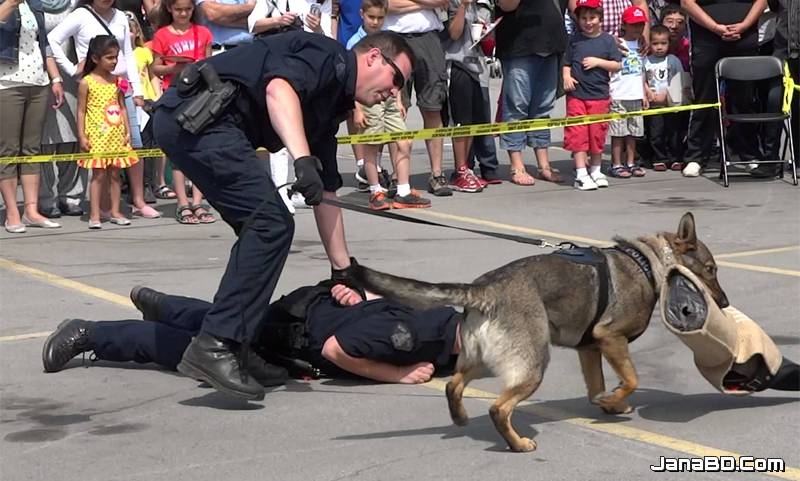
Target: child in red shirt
[179, 42]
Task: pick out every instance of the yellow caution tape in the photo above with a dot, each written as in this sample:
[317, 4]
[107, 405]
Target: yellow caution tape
[788, 89]
[30, 159]
[422, 134]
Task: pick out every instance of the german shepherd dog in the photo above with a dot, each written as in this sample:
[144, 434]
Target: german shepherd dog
[512, 312]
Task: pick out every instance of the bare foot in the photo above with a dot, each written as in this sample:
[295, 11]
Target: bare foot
[416, 373]
[345, 295]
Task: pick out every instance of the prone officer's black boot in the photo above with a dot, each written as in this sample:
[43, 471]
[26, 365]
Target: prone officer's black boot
[216, 361]
[147, 301]
[264, 373]
[70, 338]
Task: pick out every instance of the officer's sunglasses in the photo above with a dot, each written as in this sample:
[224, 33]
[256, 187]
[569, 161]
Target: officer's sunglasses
[398, 80]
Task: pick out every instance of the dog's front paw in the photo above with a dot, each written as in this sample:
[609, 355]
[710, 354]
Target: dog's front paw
[525, 445]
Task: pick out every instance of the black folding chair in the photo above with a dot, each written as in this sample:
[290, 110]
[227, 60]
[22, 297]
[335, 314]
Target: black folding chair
[751, 69]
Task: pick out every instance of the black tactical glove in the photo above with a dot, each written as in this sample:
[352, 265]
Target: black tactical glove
[345, 276]
[307, 169]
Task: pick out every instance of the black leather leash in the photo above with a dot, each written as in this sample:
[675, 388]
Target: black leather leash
[402, 218]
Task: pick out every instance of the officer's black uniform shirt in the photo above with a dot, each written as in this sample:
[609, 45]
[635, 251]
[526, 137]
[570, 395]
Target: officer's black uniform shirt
[321, 71]
[382, 331]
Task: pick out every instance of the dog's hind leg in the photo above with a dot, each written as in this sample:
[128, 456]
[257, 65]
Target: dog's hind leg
[455, 392]
[504, 406]
[615, 350]
[592, 366]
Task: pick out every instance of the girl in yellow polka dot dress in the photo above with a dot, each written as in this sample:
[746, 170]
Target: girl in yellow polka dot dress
[103, 127]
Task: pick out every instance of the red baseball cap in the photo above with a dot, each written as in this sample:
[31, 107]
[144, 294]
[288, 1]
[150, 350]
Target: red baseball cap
[589, 4]
[634, 14]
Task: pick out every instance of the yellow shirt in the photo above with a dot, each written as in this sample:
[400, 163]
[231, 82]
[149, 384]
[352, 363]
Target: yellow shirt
[144, 58]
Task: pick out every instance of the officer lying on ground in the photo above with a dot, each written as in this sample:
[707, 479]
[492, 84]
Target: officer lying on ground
[284, 90]
[338, 333]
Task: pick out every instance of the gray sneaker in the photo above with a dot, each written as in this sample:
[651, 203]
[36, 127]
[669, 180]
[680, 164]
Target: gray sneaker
[437, 185]
[411, 201]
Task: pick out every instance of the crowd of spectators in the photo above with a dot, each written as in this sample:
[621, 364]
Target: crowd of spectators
[605, 55]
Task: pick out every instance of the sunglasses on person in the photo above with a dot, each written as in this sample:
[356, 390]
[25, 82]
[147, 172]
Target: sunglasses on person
[398, 80]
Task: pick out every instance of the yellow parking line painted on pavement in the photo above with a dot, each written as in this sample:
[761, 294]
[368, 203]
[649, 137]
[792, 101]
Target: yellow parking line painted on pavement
[59, 281]
[22, 337]
[757, 252]
[755, 268]
[615, 429]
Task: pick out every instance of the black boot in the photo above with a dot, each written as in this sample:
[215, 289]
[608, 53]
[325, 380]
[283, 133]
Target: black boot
[214, 360]
[264, 373]
[70, 338]
[147, 301]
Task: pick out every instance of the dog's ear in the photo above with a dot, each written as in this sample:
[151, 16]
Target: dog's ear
[687, 236]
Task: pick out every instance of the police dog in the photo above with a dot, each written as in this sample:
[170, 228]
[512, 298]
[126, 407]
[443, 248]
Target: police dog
[512, 312]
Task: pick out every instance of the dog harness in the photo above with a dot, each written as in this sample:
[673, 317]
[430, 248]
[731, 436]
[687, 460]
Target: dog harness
[594, 257]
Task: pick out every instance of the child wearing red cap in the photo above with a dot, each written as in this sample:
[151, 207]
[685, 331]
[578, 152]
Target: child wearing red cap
[590, 56]
[628, 95]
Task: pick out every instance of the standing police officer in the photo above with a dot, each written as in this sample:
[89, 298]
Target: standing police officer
[293, 90]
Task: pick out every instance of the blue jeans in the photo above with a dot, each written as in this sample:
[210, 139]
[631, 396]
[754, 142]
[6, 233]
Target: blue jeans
[529, 92]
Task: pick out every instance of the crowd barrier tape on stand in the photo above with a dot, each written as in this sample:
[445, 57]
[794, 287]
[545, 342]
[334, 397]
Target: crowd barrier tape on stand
[422, 134]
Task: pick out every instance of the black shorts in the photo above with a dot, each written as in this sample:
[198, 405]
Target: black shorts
[466, 98]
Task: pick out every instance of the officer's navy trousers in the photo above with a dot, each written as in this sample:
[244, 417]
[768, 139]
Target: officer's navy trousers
[161, 342]
[223, 164]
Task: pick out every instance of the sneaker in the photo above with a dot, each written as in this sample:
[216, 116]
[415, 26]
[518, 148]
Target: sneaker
[585, 183]
[692, 169]
[391, 190]
[600, 179]
[299, 202]
[287, 201]
[379, 201]
[384, 180]
[361, 175]
[491, 177]
[676, 166]
[463, 180]
[411, 201]
[362, 187]
[437, 185]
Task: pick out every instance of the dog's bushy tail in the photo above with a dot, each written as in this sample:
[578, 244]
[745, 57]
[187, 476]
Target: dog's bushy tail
[418, 294]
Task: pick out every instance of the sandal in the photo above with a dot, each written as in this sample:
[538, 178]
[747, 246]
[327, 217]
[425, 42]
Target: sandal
[549, 174]
[636, 171]
[185, 215]
[164, 192]
[203, 215]
[659, 166]
[521, 177]
[619, 172]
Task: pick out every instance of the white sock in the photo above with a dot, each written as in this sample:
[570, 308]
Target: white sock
[581, 172]
[403, 189]
[376, 188]
[359, 162]
[593, 169]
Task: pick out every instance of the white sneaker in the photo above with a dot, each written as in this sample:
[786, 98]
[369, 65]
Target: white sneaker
[600, 179]
[284, 193]
[692, 169]
[299, 201]
[585, 183]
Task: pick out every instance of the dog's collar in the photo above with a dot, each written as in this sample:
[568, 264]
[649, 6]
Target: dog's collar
[640, 260]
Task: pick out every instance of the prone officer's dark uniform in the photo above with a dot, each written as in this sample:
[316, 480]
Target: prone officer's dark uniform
[221, 160]
[379, 330]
